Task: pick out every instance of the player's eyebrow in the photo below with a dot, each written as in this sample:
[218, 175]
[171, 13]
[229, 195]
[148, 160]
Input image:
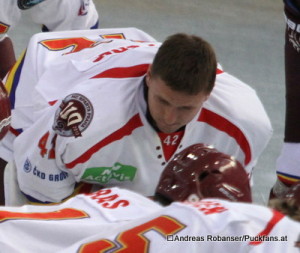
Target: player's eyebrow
[166, 102]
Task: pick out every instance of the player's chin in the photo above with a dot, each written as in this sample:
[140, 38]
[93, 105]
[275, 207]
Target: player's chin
[167, 129]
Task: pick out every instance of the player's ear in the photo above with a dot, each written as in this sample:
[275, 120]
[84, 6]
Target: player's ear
[148, 75]
[206, 97]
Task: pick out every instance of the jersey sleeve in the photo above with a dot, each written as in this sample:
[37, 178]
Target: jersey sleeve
[246, 118]
[57, 15]
[9, 16]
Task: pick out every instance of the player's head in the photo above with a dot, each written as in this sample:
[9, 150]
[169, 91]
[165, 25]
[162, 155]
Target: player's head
[186, 63]
[179, 80]
[201, 171]
[4, 111]
[289, 203]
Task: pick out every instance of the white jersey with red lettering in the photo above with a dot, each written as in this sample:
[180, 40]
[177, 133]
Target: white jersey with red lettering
[55, 15]
[54, 227]
[116, 220]
[98, 132]
[207, 226]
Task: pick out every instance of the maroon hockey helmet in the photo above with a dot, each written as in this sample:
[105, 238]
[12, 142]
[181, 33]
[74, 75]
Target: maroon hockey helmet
[4, 111]
[201, 171]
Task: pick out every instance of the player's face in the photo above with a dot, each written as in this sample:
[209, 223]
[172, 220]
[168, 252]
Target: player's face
[171, 109]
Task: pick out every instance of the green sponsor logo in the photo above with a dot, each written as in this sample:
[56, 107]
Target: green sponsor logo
[103, 175]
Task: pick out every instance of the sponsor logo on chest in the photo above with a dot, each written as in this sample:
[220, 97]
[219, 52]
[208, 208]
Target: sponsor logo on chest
[103, 175]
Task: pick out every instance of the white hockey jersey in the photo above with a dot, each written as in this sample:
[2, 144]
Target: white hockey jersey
[56, 15]
[9, 15]
[113, 144]
[209, 226]
[52, 228]
[117, 220]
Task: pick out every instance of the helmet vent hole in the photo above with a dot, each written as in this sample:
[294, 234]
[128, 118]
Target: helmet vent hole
[203, 175]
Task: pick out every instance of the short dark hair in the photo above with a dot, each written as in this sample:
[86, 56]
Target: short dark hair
[186, 63]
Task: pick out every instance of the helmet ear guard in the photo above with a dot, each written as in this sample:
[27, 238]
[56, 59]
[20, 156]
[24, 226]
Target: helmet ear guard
[200, 171]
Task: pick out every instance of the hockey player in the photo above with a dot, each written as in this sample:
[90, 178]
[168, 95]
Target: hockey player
[287, 166]
[214, 218]
[113, 107]
[54, 15]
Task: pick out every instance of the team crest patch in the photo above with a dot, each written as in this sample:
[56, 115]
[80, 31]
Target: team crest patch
[73, 116]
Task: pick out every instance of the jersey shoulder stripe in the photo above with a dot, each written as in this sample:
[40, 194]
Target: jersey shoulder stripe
[287, 178]
[124, 72]
[127, 129]
[13, 78]
[224, 125]
[277, 216]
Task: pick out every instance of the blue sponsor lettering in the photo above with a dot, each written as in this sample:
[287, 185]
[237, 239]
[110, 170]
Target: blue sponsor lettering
[38, 173]
[58, 177]
[51, 177]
